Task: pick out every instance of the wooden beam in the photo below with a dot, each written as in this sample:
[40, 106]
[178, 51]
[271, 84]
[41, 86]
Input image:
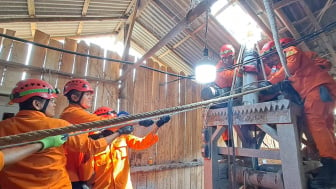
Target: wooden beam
[80, 28]
[284, 19]
[130, 30]
[324, 37]
[33, 28]
[304, 19]
[142, 4]
[85, 7]
[31, 8]
[254, 16]
[169, 48]
[31, 13]
[283, 3]
[191, 16]
[120, 24]
[62, 19]
[290, 27]
[141, 8]
[141, 50]
[78, 37]
[84, 12]
[191, 34]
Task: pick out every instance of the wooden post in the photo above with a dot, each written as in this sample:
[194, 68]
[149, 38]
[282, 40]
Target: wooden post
[291, 159]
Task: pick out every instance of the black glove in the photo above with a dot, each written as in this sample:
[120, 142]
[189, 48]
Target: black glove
[106, 132]
[126, 130]
[163, 120]
[264, 83]
[96, 136]
[285, 85]
[270, 91]
[101, 134]
[146, 122]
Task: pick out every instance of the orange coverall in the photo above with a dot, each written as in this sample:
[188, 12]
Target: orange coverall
[225, 77]
[2, 162]
[44, 169]
[119, 173]
[223, 80]
[79, 167]
[103, 169]
[319, 61]
[306, 79]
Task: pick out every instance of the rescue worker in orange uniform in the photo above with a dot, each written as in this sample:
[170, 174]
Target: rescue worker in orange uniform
[319, 61]
[45, 169]
[103, 163]
[224, 67]
[224, 78]
[120, 175]
[80, 94]
[103, 160]
[12, 155]
[318, 91]
[322, 63]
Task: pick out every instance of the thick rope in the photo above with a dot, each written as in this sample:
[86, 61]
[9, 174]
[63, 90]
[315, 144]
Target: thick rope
[36, 135]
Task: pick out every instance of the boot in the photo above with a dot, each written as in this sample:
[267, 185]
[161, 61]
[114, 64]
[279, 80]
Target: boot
[326, 177]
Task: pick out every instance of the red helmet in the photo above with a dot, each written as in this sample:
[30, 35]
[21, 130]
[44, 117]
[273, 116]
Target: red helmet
[286, 40]
[105, 112]
[28, 88]
[268, 47]
[77, 84]
[226, 51]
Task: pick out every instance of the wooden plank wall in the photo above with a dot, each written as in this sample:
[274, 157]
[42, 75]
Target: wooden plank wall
[37, 57]
[69, 64]
[52, 61]
[66, 66]
[180, 139]
[7, 46]
[95, 68]
[146, 90]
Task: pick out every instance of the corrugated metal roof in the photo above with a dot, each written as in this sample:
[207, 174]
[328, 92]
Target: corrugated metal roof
[16, 8]
[95, 26]
[22, 29]
[143, 37]
[108, 7]
[58, 28]
[154, 22]
[59, 7]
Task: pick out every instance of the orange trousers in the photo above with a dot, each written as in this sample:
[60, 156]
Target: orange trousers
[320, 120]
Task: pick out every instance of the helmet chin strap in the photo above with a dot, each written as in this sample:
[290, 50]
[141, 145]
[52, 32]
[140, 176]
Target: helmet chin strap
[45, 105]
[80, 99]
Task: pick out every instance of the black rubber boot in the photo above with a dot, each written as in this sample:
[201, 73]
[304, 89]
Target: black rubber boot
[326, 177]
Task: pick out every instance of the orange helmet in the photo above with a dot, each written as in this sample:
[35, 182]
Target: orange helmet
[105, 112]
[77, 84]
[226, 51]
[267, 48]
[28, 88]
